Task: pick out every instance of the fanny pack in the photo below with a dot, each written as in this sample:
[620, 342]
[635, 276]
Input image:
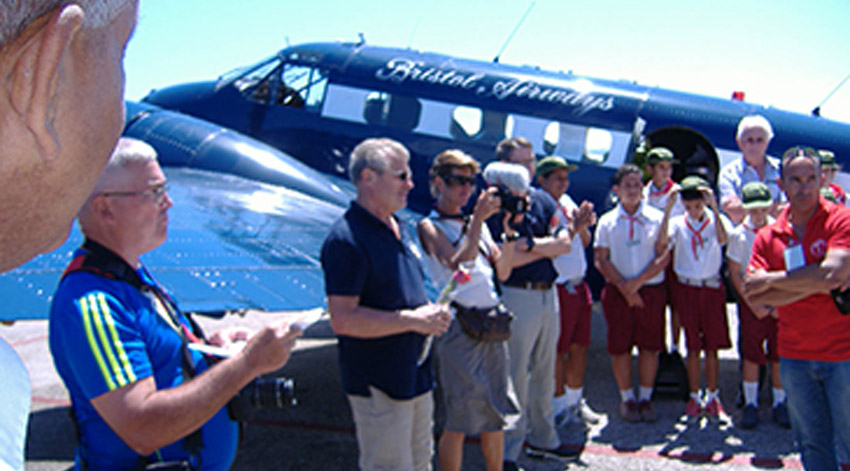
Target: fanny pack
[484, 324]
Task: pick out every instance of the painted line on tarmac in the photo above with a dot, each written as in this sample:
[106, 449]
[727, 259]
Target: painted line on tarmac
[51, 401]
[28, 341]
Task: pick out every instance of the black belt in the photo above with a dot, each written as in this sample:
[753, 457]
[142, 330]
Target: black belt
[536, 285]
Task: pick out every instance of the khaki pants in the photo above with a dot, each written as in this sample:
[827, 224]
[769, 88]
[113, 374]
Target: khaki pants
[531, 349]
[394, 435]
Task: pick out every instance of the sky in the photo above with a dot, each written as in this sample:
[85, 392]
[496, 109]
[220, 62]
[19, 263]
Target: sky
[782, 53]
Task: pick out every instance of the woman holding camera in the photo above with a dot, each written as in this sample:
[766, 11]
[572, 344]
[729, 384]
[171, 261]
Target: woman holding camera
[473, 372]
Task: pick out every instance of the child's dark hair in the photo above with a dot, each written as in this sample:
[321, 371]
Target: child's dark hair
[626, 169]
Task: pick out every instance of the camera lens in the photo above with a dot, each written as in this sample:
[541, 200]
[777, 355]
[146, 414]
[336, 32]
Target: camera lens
[273, 393]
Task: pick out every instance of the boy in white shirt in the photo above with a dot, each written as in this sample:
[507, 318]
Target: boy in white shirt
[574, 299]
[627, 253]
[659, 188]
[699, 296]
[754, 331]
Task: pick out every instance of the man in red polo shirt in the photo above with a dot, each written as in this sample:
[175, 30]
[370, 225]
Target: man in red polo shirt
[795, 263]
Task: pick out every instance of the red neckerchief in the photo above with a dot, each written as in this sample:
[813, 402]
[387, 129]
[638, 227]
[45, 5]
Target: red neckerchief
[632, 220]
[696, 235]
[662, 191]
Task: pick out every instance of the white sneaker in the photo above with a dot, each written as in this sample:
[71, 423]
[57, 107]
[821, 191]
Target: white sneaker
[580, 414]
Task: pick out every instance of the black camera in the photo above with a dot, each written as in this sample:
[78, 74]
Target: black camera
[510, 202]
[271, 393]
[842, 300]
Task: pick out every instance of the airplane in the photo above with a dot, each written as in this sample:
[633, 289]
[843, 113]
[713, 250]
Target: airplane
[316, 101]
[257, 159]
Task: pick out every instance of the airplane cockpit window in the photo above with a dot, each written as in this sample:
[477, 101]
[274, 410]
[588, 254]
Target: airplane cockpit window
[285, 85]
[302, 86]
[250, 78]
[474, 124]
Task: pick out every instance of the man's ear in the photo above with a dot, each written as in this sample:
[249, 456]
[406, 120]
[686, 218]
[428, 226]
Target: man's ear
[100, 206]
[368, 175]
[37, 73]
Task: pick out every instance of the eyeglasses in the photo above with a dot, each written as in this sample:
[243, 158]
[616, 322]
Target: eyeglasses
[799, 151]
[158, 192]
[402, 175]
[458, 180]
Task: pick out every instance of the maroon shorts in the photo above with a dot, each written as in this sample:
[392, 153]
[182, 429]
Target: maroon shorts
[575, 310]
[752, 335]
[702, 311]
[669, 283]
[629, 327]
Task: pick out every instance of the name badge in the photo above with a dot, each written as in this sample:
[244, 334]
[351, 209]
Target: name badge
[632, 243]
[794, 257]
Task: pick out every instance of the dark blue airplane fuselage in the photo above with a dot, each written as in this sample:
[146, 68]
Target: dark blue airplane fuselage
[317, 101]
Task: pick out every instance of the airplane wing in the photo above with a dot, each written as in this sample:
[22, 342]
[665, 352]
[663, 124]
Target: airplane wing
[233, 243]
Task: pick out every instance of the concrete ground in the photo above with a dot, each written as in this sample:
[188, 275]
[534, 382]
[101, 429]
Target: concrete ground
[318, 433]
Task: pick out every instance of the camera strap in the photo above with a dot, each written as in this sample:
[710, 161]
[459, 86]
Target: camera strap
[483, 249]
[103, 262]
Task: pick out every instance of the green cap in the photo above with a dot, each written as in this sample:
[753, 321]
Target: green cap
[827, 158]
[828, 194]
[551, 163]
[755, 195]
[693, 182]
[660, 154]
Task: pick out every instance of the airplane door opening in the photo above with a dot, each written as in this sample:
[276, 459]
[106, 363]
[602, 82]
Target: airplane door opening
[694, 152]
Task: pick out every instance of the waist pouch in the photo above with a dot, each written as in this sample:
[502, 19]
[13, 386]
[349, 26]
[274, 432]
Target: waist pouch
[486, 325]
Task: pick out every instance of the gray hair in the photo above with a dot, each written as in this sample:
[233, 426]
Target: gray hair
[128, 151]
[16, 15]
[754, 121]
[513, 176]
[375, 154]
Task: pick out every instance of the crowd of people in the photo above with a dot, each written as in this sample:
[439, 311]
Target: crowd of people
[518, 253]
[508, 336]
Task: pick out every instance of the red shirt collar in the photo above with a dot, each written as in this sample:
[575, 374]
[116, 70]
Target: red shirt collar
[782, 227]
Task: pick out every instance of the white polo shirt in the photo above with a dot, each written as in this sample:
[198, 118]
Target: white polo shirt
[696, 253]
[657, 197]
[630, 239]
[572, 265]
[740, 243]
[14, 408]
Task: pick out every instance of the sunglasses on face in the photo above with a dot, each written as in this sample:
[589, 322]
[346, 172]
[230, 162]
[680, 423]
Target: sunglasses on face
[458, 180]
[799, 151]
[402, 175]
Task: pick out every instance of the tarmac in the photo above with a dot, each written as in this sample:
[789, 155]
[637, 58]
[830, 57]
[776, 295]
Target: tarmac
[318, 432]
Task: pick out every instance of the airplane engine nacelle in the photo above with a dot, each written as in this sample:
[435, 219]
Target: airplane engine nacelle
[185, 141]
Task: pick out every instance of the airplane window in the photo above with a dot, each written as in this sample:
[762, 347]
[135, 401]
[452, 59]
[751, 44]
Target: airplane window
[474, 124]
[301, 86]
[598, 145]
[395, 111]
[316, 91]
[249, 74]
[466, 122]
[509, 126]
[256, 76]
[375, 108]
[566, 140]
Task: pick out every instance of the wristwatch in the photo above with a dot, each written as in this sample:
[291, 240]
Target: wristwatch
[510, 238]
